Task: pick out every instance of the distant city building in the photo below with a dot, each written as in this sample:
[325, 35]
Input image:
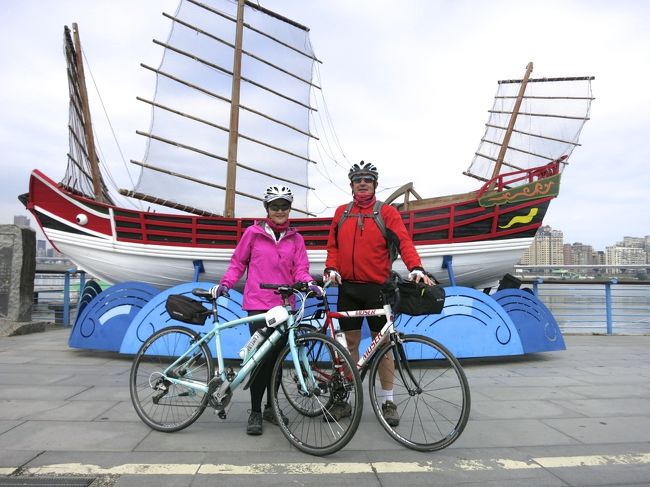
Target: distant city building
[620, 255]
[633, 242]
[582, 254]
[547, 248]
[41, 248]
[21, 221]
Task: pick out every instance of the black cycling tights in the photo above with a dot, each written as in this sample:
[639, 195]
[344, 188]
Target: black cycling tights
[262, 373]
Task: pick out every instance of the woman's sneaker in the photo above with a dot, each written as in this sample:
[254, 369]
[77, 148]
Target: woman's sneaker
[389, 411]
[254, 426]
[270, 417]
[338, 410]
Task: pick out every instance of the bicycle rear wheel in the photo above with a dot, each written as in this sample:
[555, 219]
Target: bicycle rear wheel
[332, 379]
[161, 404]
[430, 391]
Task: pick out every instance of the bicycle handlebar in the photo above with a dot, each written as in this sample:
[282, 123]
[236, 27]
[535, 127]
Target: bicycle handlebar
[287, 289]
[202, 293]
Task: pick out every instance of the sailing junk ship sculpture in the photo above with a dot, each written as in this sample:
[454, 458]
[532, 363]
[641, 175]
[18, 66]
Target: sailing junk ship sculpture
[219, 132]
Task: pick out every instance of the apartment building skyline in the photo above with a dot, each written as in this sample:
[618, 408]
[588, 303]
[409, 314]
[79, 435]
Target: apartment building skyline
[548, 248]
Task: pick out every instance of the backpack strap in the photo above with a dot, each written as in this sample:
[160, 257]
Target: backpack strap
[392, 242]
[344, 216]
[376, 215]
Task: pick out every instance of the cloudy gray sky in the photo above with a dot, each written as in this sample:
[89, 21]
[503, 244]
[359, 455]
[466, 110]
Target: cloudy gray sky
[408, 85]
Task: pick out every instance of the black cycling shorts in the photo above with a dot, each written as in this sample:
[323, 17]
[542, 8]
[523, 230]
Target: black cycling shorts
[360, 295]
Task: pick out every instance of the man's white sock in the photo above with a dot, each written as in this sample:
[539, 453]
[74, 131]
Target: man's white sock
[385, 395]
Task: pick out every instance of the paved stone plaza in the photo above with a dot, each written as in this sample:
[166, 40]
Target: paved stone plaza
[580, 417]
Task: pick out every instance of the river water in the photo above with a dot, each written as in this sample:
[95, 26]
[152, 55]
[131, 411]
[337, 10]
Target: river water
[582, 308]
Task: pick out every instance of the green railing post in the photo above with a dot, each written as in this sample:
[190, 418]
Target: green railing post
[536, 284]
[82, 284]
[66, 296]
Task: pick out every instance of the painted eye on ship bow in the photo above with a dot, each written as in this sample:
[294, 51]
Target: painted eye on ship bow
[81, 219]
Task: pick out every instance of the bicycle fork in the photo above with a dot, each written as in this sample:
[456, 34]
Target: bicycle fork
[302, 368]
[402, 366]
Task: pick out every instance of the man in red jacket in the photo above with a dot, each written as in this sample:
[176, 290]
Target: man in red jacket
[358, 260]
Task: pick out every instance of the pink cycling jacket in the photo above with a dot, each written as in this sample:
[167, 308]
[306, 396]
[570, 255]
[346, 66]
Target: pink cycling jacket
[268, 262]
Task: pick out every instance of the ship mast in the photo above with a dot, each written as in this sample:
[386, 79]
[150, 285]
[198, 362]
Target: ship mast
[511, 124]
[231, 174]
[88, 126]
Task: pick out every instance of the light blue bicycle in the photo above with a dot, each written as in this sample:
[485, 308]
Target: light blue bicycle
[173, 377]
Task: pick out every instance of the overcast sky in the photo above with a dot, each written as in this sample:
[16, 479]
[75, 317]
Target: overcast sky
[408, 85]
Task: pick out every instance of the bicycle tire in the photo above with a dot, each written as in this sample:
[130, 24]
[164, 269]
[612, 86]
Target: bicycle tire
[337, 379]
[433, 417]
[161, 404]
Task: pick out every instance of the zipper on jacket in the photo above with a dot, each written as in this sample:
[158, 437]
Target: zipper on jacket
[354, 248]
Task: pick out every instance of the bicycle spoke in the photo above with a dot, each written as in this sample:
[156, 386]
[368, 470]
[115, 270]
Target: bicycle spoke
[162, 404]
[314, 424]
[430, 391]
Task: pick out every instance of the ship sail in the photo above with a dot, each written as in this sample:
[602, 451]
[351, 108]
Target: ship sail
[533, 121]
[82, 175]
[189, 147]
[214, 110]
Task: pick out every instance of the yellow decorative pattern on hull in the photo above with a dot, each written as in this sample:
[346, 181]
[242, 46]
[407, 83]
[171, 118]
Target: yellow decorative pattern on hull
[521, 218]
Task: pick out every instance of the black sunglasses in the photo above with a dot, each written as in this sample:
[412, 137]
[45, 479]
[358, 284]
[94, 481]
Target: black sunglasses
[279, 207]
[367, 179]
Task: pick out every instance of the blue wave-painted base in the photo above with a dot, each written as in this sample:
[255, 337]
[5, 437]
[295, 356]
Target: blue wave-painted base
[471, 324]
[538, 330]
[104, 316]
[153, 316]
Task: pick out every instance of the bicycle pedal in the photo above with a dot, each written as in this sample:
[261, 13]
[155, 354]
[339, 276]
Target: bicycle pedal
[222, 414]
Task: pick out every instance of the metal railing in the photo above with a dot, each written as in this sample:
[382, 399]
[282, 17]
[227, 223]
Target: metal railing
[579, 306]
[56, 294]
[598, 307]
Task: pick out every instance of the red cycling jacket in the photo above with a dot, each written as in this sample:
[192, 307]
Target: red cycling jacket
[359, 251]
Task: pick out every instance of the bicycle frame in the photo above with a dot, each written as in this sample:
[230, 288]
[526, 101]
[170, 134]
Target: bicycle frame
[377, 341]
[386, 332]
[227, 385]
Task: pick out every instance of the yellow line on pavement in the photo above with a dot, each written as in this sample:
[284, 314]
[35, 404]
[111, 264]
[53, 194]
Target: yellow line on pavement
[464, 464]
[594, 460]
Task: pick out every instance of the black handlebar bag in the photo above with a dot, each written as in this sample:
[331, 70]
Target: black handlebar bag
[417, 299]
[186, 309]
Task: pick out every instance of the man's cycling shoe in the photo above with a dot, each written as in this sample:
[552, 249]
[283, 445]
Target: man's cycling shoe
[389, 411]
[270, 417]
[338, 410]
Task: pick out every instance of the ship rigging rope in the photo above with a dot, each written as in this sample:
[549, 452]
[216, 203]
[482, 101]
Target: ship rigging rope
[119, 148]
[326, 145]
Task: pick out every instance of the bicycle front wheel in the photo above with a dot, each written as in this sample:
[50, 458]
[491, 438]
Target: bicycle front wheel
[162, 404]
[430, 391]
[322, 419]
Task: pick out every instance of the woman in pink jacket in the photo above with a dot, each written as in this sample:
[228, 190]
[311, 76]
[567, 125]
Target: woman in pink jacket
[271, 252]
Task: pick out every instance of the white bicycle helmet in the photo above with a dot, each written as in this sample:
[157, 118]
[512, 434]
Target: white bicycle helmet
[363, 168]
[276, 192]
